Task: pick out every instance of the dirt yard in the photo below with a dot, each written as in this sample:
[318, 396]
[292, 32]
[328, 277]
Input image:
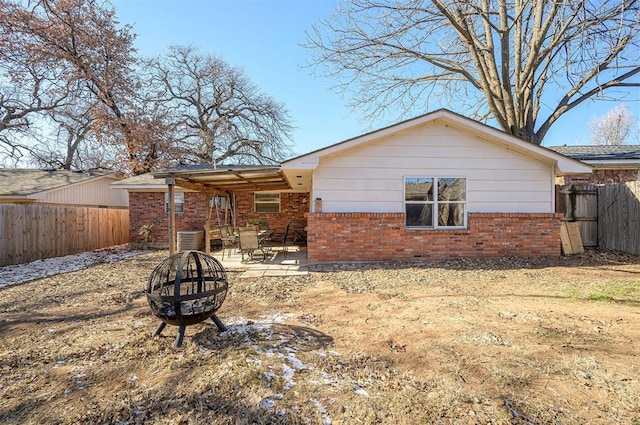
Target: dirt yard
[457, 342]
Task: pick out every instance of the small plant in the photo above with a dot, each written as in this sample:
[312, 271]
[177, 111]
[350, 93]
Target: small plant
[146, 231]
[261, 223]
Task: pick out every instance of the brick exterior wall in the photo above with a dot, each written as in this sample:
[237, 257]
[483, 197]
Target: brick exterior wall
[148, 208]
[293, 208]
[335, 237]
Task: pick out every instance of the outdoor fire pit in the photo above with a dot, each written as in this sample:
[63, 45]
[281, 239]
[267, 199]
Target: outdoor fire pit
[187, 288]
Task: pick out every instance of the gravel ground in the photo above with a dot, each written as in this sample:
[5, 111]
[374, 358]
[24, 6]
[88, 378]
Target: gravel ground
[503, 341]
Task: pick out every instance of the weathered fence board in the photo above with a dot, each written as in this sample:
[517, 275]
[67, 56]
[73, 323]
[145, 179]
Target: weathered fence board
[581, 205]
[33, 232]
[619, 217]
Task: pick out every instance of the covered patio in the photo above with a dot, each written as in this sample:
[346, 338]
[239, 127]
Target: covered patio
[229, 183]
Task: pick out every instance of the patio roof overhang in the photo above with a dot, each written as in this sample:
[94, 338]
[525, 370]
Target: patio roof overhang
[222, 180]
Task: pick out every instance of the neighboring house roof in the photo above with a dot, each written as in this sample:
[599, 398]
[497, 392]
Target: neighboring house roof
[617, 156]
[21, 181]
[29, 185]
[563, 164]
[142, 183]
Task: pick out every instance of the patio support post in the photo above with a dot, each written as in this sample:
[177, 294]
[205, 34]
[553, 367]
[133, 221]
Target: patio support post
[172, 215]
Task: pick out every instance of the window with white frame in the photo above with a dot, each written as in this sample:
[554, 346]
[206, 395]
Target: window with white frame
[266, 202]
[178, 199]
[435, 202]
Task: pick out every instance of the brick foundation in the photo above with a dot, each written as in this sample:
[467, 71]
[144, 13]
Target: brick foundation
[339, 237]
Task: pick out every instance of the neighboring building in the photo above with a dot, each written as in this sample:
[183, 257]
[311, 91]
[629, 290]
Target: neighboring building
[611, 164]
[62, 187]
[436, 186]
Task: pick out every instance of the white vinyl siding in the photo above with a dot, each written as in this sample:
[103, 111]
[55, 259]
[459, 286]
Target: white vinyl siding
[370, 178]
[93, 192]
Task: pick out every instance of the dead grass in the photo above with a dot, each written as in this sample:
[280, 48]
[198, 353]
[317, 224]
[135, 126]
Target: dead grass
[493, 342]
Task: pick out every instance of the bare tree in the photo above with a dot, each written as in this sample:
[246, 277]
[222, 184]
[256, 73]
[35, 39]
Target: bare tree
[616, 127]
[30, 86]
[219, 115]
[521, 63]
[83, 38]
[71, 126]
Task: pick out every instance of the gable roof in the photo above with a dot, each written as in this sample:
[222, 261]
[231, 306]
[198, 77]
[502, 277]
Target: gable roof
[615, 156]
[563, 164]
[22, 182]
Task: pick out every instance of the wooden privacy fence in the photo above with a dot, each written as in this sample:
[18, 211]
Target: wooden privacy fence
[580, 204]
[33, 232]
[608, 216]
[619, 217]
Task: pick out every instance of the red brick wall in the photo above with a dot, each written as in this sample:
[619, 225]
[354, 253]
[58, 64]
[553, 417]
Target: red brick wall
[336, 237]
[293, 207]
[148, 208]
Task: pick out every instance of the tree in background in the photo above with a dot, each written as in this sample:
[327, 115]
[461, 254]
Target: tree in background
[616, 127]
[94, 58]
[522, 64]
[71, 80]
[31, 85]
[217, 113]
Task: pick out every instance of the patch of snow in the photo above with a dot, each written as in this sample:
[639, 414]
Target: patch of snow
[21, 273]
[278, 317]
[267, 403]
[287, 375]
[322, 410]
[361, 391]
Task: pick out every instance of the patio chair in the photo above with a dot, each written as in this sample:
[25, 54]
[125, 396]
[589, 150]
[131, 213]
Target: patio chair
[300, 238]
[249, 243]
[229, 242]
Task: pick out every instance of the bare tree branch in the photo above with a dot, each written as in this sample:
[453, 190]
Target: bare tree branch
[505, 59]
[218, 114]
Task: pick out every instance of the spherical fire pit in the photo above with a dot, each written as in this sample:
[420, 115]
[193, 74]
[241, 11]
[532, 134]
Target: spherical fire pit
[187, 288]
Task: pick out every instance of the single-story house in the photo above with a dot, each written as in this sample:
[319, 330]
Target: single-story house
[437, 186]
[61, 187]
[611, 164]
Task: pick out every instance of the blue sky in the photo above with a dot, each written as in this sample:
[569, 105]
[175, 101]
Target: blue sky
[264, 38]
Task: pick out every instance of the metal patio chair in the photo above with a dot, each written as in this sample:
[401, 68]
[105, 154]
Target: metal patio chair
[249, 243]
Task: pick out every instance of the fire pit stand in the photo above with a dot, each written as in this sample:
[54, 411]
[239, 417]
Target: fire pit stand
[185, 289]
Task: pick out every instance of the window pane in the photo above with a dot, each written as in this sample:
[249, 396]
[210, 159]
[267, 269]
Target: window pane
[267, 197]
[418, 189]
[419, 215]
[267, 208]
[267, 202]
[178, 199]
[450, 214]
[452, 189]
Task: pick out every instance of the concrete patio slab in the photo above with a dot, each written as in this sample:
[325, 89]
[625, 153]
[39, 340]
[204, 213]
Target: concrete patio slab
[275, 263]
